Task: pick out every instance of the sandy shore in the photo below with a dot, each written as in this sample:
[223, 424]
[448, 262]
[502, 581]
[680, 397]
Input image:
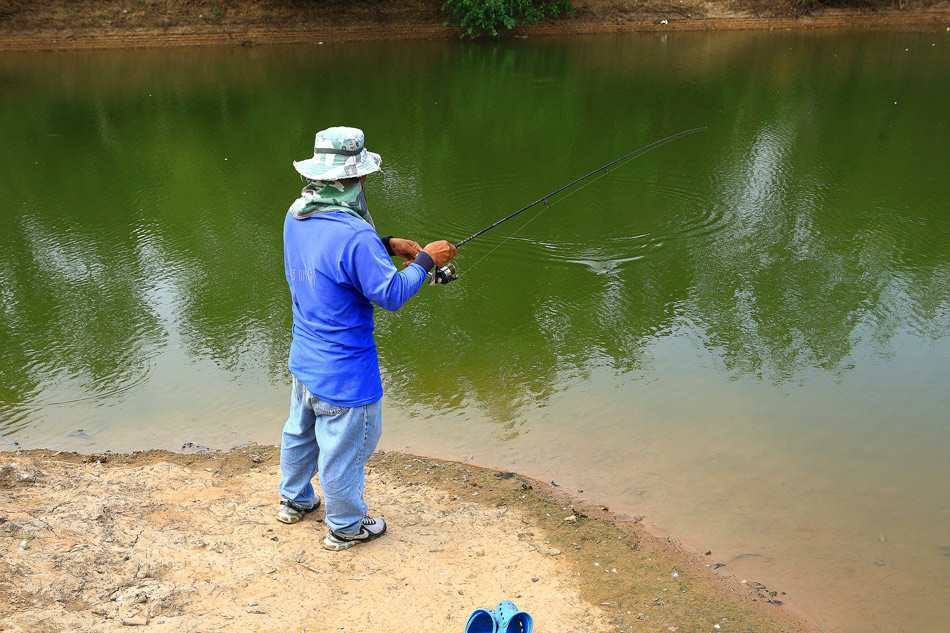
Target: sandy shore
[173, 542]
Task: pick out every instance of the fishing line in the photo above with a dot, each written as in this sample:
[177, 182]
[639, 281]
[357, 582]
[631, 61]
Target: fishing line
[449, 272]
[536, 215]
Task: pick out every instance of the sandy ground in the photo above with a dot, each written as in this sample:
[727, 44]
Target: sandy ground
[30, 25]
[172, 542]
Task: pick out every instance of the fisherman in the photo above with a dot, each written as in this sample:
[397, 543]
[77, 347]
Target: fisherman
[337, 267]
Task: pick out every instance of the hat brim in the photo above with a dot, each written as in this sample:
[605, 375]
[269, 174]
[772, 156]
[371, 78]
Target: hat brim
[315, 169]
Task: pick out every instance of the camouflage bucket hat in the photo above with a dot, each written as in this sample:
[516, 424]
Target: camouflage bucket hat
[339, 152]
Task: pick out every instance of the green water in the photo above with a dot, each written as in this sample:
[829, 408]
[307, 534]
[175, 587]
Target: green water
[744, 335]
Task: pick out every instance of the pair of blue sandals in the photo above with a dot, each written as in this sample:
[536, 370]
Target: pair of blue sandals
[504, 618]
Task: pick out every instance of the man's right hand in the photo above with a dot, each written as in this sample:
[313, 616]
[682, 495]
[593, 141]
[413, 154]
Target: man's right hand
[441, 251]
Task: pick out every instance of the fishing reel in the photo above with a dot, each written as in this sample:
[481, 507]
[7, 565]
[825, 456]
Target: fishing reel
[443, 274]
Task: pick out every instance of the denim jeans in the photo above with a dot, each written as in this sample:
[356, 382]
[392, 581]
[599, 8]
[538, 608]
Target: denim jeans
[337, 442]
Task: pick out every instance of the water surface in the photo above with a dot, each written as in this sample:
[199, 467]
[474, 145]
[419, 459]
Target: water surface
[742, 335]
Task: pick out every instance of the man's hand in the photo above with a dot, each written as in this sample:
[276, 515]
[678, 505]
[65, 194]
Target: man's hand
[440, 252]
[406, 249]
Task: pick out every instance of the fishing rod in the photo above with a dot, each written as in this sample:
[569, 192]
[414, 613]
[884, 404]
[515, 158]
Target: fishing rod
[449, 272]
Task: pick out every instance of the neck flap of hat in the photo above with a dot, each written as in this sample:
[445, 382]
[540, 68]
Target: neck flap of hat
[324, 196]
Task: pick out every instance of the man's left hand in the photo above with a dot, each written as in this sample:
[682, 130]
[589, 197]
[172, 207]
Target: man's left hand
[406, 249]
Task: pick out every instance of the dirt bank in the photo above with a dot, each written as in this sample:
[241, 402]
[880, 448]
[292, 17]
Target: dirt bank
[29, 25]
[177, 542]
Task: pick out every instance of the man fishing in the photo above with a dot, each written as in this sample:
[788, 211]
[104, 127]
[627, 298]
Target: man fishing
[337, 267]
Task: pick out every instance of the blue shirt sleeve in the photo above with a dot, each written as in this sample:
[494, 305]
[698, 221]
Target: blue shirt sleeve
[371, 271]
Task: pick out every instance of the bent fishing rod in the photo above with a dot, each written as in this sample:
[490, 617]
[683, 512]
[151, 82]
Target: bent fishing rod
[449, 272]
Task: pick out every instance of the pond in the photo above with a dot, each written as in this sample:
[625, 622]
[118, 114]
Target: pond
[743, 334]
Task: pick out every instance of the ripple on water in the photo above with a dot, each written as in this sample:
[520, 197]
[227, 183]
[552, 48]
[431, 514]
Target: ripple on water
[100, 389]
[660, 213]
[687, 213]
[610, 223]
[472, 205]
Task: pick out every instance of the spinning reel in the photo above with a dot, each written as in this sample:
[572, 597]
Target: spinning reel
[443, 274]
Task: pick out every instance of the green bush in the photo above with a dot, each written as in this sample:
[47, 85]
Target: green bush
[480, 17]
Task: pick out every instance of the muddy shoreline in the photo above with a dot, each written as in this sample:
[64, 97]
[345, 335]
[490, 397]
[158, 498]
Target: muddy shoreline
[171, 541]
[116, 24]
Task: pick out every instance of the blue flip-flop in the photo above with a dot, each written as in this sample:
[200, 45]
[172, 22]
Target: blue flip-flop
[511, 620]
[482, 621]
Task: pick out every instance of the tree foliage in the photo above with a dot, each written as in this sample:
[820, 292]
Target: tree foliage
[480, 17]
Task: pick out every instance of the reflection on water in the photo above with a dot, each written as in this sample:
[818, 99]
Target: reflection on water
[742, 334]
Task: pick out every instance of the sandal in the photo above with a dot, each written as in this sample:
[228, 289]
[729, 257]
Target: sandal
[482, 621]
[511, 620]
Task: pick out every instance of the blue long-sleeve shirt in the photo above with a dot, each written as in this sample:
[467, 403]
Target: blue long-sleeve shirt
[337, 268]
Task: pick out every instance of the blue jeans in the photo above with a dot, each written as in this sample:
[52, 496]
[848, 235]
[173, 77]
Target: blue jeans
[337, 442]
